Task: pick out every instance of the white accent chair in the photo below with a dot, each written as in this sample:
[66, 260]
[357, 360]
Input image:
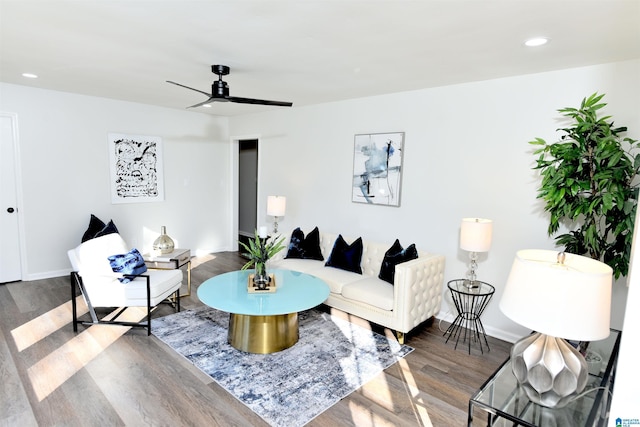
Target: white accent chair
[100, 287]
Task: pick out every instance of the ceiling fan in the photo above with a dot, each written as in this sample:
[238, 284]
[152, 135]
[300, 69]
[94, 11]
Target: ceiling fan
[220, 91]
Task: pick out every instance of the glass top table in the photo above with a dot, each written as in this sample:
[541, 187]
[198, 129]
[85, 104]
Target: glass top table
[470, 298]
[506, 404]
[295, 292]
[263, 322]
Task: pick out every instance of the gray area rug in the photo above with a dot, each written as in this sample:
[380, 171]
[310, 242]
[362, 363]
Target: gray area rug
[332, 359]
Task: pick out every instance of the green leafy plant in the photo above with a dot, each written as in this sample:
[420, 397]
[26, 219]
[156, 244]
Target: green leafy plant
[589, 185]
[259, 250]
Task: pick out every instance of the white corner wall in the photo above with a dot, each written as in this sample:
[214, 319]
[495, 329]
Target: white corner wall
[65, 174]
[624, 404]
[466, 154]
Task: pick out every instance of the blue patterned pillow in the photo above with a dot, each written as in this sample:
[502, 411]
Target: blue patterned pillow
[346, 257]
[129, 263]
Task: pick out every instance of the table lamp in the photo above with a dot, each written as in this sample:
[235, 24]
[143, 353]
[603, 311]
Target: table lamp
[475, 236]
[276, 206]
[559, 296]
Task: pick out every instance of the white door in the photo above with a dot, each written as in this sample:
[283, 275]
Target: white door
[10, 261]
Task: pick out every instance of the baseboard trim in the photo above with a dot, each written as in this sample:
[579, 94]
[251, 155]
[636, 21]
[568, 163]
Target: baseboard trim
[498, 333]
[47, 275]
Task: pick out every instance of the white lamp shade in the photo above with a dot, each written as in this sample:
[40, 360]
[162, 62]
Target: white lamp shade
[276, 205]
[570, 300]
[475, 234]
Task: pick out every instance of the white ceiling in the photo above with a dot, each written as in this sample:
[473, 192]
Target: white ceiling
[304, 51]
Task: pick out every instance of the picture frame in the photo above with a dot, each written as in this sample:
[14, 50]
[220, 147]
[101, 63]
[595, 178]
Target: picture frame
[377, 168]
[136, 168]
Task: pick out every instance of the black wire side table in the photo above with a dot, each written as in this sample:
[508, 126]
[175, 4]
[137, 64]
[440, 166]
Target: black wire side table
[470, 299]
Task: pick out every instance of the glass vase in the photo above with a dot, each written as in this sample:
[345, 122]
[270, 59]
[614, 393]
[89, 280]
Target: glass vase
[261, 277]
[163, 244]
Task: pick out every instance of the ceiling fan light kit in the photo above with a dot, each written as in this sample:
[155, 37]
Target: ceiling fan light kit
[220, 91]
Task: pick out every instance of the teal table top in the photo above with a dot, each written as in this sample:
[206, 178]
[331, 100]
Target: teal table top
[295, 292]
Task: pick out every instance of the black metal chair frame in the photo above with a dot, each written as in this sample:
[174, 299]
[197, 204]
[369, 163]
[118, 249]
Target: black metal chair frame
[76, 279]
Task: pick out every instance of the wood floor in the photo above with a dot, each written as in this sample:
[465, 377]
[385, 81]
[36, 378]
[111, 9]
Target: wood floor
[114, 376]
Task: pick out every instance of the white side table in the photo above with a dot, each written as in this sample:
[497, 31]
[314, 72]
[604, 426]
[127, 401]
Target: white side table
[171, 261]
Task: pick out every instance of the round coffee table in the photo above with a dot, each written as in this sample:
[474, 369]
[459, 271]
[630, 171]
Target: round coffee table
[263, 322]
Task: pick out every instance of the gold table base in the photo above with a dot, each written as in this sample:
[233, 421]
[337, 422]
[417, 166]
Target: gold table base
[263, 334]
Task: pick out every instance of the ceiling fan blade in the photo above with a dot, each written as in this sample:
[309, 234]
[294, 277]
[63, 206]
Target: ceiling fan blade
[208, 101]
[258, 101]
[187, 87]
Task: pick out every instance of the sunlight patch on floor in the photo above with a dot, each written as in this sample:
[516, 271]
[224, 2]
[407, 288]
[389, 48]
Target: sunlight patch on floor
[53, 370]
[377, 390]
[201, 258]
[44, 325]
[363, 416]
[419, 406]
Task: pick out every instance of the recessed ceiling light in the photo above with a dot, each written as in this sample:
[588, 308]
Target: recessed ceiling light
[207, 105]
[30, 75]
[536, 41]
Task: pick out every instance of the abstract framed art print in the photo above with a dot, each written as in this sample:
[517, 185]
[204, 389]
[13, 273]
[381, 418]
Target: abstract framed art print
[377, 168]
[136, 168]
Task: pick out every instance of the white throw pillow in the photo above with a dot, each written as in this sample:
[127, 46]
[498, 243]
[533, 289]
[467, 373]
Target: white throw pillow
[93, 255]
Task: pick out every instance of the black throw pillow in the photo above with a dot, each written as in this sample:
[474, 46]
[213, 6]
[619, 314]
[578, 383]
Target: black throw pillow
[305, 247]
[110, 228]
[98, 228]
[346, 257]
[95, 226]
[396, 254]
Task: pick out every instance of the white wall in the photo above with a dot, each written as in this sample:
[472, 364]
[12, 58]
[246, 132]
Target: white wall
[65, 174]
[625, 391]
[466, 154]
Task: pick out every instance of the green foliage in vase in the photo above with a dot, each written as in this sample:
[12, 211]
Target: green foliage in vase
[260, 250]
[589, 185]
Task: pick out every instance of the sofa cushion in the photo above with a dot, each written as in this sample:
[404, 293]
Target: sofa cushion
[305, 247]
[396, 255]
[296, 264]
[372, 291]
[129, 263]
[117, 294]
[334, 277]
[346, 256]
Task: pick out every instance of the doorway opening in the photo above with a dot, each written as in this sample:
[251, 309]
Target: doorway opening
[247, 189]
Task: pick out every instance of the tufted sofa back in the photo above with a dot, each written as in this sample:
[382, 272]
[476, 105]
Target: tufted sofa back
[372, 252]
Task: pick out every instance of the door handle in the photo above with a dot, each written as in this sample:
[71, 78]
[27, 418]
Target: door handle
[11, 210]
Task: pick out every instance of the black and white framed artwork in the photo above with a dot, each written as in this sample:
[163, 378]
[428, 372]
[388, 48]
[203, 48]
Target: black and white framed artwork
[136, 168]
[377, 168]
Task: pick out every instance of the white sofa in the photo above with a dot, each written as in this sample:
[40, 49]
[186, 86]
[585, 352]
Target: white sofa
[415, 296]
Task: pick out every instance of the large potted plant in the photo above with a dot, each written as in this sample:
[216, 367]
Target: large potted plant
[259, 250]
[589, 185]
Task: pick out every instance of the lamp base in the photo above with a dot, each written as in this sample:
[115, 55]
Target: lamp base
[549, 369]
